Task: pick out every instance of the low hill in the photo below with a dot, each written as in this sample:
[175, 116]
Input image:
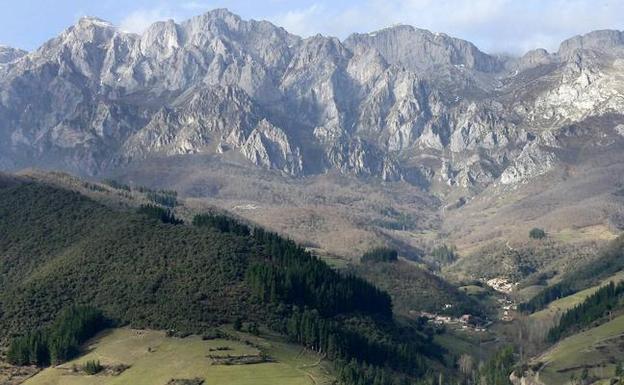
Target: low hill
[415, 289]
[556, 308]
[59, 247]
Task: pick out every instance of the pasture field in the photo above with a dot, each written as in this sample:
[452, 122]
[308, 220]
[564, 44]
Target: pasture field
[155, 359]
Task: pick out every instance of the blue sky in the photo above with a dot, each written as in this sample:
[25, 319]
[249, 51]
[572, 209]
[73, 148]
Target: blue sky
[512, 26]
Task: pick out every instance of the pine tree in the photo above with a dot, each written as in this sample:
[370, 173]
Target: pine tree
[238, 324]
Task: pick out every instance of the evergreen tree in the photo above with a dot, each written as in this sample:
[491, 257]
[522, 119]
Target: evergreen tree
[619, 371]
[60, 342]
[159, 213]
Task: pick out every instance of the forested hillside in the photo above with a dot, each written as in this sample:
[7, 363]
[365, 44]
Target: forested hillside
[148, 269]
[413, 288]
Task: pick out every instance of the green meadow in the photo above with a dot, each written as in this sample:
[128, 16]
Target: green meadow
[153, 358]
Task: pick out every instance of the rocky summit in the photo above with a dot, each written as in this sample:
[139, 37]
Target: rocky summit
[399, 104]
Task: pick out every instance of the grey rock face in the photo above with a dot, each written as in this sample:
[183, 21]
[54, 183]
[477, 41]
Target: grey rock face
[397, 104]
[8, 54]
[268, 146]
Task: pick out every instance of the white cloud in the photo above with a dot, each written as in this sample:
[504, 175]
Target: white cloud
[139, 20]
[303, 22]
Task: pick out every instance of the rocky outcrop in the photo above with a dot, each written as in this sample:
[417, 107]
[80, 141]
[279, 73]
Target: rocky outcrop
[268, 146]
[605, 41]
[533, 161]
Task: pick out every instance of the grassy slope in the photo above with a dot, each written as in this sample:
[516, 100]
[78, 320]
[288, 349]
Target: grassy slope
[608, 263]
[596, 348]
[185, 359]
[559, 306]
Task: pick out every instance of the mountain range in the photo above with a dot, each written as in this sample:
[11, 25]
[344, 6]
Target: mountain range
[397, 104]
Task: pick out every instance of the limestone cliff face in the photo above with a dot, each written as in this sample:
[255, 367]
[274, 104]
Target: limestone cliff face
[397, 104]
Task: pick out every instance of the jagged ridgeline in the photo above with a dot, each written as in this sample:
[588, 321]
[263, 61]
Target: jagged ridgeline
[59, 248]
[365, 105]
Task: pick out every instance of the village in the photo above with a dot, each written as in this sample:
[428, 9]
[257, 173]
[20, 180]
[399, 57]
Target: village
[507, 308]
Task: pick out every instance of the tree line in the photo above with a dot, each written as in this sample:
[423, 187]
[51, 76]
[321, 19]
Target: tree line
[221, 223]
[369, 348]
[315, 302]
[380, 254]
[355, 344]
[168, 198]
[162, 214]
[60, 342]
[546, 296]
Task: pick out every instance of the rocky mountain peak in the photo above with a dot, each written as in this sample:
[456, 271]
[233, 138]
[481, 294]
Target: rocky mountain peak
[164, 37]
[604, 41]
[418, 49]
[92, 21]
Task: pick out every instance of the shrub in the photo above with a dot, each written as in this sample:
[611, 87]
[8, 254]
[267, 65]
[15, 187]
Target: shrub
[536, 233]
[93, 367]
